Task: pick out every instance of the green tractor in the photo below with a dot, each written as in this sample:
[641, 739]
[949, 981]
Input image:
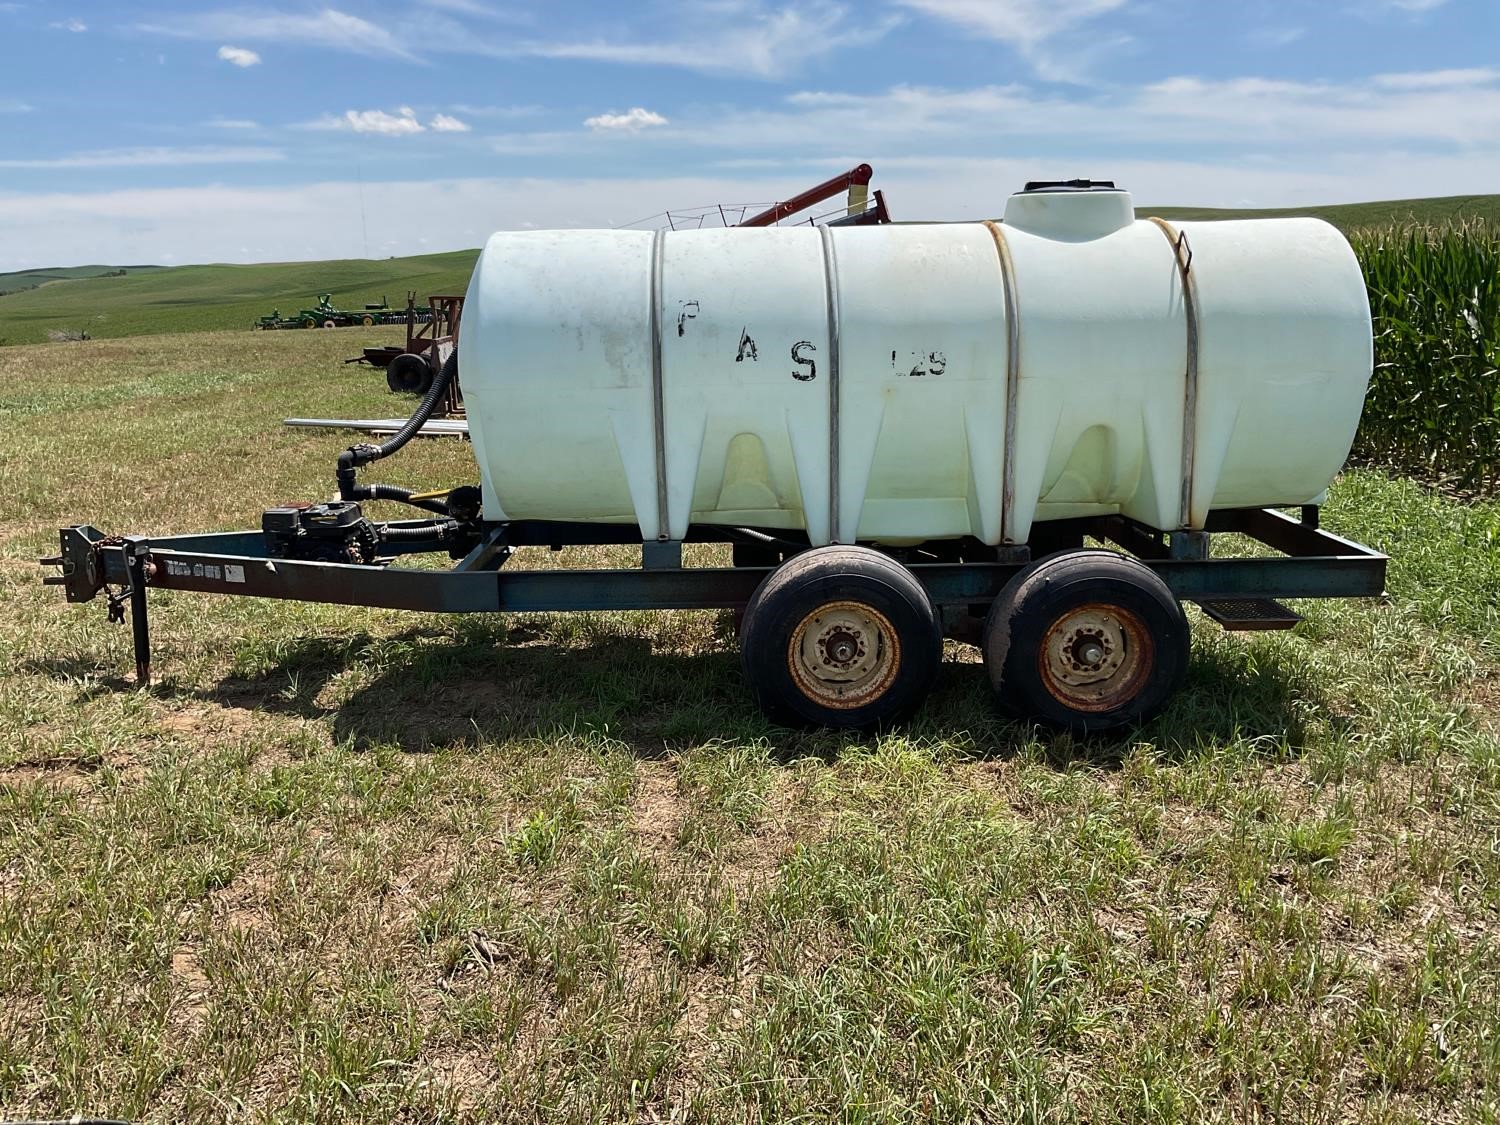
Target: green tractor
[326, 315]
[323, 314]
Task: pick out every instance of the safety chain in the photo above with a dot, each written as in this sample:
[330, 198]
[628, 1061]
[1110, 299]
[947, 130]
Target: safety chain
[116, 600]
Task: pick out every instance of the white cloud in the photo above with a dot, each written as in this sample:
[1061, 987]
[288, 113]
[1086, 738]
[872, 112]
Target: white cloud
[760, 41]
[1433, 112]
[1020, 22]
[1415, 5]
[1435, 108]
[14, 105]
[1430, 111]
[498, 111]
[751, 37]
[239, 56]
[403, 123]
[570, 142]
[631, 121]
[472, 8]
[327, 28]
[239, 123]
[1276, 36]
[314, 221]
[1030, 26]
[72, 23]
[158, 157]
[1437, 79]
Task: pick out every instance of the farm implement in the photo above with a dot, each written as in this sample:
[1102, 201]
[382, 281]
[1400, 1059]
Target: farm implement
[431, 333]
[326, 315]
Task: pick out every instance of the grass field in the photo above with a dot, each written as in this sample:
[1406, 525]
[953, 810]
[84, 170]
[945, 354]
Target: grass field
[350, 864]
[30, 279]
[201, 298]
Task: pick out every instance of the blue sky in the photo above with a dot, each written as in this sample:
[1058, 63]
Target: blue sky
[156, 131]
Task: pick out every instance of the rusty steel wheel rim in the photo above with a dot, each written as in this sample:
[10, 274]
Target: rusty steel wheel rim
[844, 654]
[1096, 657]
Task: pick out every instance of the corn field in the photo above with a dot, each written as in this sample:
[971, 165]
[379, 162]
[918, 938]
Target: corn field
[1434, 403]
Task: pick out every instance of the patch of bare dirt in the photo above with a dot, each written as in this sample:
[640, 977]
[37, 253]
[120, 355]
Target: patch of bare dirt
[242, 904]
[71, 774]
[464, 1074]
[187, 973]
[1483, 698]
[996, 775]
[190, 987]
[192, 997]
[1125, 927]
[657, 809]
[210, 725]
[712, 1006]
[757, 855]
[207, 722]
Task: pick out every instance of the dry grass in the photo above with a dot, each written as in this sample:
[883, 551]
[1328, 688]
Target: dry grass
[350, 864]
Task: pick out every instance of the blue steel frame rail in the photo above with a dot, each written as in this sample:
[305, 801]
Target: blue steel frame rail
[1313, 564]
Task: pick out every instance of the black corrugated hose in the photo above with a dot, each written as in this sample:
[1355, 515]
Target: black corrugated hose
[356, 455]
[398, 494]
[439, 530]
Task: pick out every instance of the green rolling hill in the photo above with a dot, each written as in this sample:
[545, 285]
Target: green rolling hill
[150, 299]
[29, 279]
[1352, 216]
[202, 298]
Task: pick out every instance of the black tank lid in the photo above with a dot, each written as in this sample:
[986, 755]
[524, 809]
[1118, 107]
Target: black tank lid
[1071, 185]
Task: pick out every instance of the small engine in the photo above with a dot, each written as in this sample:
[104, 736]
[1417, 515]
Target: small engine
[333, 532]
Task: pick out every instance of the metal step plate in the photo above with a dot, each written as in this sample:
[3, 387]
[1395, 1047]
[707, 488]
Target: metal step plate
[1247, 614]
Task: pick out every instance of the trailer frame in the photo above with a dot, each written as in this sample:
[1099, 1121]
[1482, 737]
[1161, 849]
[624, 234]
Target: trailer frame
[960, 576]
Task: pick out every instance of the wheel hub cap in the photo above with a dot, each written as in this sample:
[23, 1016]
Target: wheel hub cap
[1096, 657]
[844, 654]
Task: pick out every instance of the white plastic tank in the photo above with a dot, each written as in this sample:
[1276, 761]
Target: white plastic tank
[900, 383]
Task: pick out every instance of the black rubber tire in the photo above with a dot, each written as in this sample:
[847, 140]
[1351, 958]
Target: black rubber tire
[800, 586]
[409, 374]
[367, 320]
[1043, 596]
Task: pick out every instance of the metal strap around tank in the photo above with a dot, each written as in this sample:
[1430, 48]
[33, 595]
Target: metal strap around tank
[1183, 253]
[1012, 373]
[830, 272]
[658, 409]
